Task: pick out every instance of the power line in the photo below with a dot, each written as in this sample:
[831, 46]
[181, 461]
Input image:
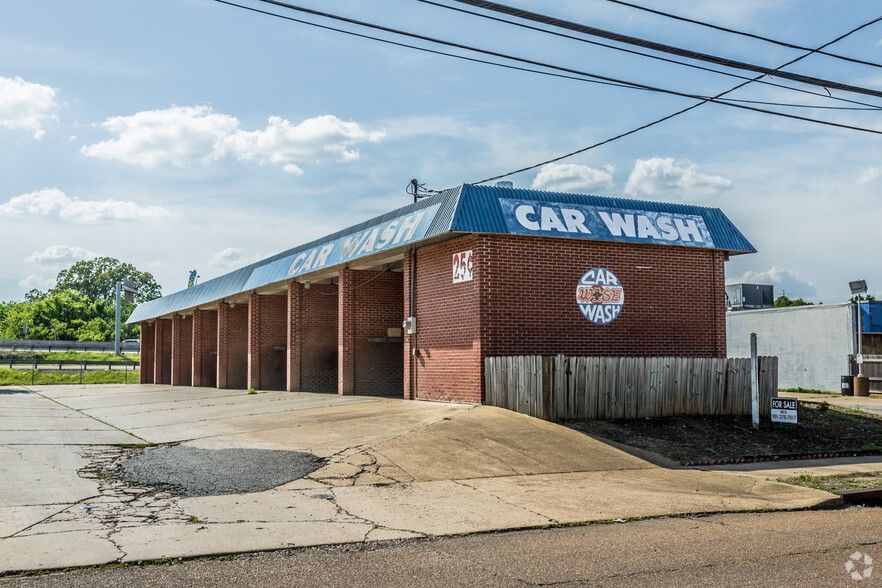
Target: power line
[578, 78]
[742, 33]
[670, 116]
[555, 67]
[643, 54]
[443, 53]
[661, 47]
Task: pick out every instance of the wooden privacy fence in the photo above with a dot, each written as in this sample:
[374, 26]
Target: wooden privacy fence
[568, 388]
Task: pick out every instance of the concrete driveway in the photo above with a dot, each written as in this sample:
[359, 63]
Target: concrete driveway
[392, 469]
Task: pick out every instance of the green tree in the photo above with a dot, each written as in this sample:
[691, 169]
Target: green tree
[81, 306]
[782, 301]
[96, 279]
[862, 298]
[75, 316]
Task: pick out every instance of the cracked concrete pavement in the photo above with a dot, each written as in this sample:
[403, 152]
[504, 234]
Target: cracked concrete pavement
[393, 469]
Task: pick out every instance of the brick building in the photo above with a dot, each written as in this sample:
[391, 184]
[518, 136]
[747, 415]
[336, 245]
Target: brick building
[479, 271]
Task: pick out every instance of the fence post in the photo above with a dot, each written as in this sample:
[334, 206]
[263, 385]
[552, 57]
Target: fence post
[546, 388]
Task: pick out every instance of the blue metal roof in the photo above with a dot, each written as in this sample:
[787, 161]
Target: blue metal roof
[479, 211]
[472, 209]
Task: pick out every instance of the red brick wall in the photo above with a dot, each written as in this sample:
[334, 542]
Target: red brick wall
[522, 301]
[182, 351]
[448, 366]
[162, 353]
[267, 342]
[674, 298]
[370, 303]
[205, 348]
[148, 344]
[232, 344]
[318, 338]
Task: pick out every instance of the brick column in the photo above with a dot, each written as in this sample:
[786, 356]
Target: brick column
[148, 347]
[254, 316]
[294, 337]
[162, 374]
[177, 349]
[346, 310]
[409, 389]
[196, 347]
[223, 354]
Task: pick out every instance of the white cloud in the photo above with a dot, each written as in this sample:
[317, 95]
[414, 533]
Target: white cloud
[36, 281]
[179, 136]
[54, 202]
[569, 177]
[868, 175]
[315, 139]
[232, 257]
[60, 255]
[785, 281]
[666, 177]
[25, 105]
[183, 136]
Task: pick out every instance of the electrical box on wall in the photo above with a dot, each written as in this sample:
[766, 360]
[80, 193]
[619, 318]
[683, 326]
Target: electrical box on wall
[409, 325]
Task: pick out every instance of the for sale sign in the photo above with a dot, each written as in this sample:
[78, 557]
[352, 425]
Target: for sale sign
[783, 410]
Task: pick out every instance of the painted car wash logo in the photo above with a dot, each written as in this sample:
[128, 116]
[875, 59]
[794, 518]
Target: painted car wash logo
[600, 296]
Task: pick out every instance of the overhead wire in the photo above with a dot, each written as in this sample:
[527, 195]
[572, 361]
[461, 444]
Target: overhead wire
[491, 17]
[553, 74]
[663, 48]
[425, 49]
[741, 33]
[546, 65]
[595, 77]
[670, 116]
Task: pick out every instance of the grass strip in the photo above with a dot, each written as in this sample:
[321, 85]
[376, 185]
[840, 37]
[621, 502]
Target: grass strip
[15, 377]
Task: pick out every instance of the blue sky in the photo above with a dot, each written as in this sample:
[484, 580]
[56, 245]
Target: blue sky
[181, 134]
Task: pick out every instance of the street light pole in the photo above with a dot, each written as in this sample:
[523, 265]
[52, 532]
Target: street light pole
[120, 287]
[859, 287]
[116, 342]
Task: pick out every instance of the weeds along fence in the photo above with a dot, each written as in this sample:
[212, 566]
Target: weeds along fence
[597, 388]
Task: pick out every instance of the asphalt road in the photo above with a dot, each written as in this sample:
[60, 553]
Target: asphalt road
[805, 548]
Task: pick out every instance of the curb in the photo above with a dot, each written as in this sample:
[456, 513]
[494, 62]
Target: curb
[783, 457]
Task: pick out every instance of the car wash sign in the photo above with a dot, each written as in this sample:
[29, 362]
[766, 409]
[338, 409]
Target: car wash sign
[558, 219]
[372, 239]
[600, 296]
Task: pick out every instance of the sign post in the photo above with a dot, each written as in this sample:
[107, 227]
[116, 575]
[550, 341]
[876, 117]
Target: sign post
[754, 383]
[784, 410]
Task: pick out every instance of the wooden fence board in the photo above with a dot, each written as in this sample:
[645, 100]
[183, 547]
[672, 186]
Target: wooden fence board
[564, 388]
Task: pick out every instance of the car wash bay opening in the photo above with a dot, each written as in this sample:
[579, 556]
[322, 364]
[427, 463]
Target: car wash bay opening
[412, 302]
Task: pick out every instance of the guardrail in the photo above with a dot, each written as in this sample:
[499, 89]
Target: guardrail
[51, 345]
[84, 364]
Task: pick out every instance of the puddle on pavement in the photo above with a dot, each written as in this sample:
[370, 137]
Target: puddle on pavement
[212, 472]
